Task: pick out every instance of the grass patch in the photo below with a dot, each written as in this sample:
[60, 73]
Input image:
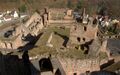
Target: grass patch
[47, 32]
[61, 31]
[57, 16]
[56, 41]
[74, 53]
[41, 50]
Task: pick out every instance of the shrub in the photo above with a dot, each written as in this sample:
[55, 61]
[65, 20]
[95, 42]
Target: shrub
[22, 8]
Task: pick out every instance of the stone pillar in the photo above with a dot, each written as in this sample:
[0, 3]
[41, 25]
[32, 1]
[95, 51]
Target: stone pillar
[49, 40]
[68, 15]
[85, 17]
[45, 17]
[49, 16]
[90, 21]
[96, 32]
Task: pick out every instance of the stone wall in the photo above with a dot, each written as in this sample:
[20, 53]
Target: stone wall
[6, 45]
[34, 17]
[2, 44]
[61, 14]
[34, 24]
[18, 30]
[12, 44]
[17, 42]
[71, 65]
[62, 21]
[54, 13]
[80, 34]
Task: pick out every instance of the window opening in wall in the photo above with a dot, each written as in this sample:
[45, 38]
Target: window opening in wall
[109, 36]
[75, 28]
[85, 28]
[11, 45]
[116, 36]
[95, 21]
[74, 73]
[97, 34]
[83, 39]
[87, 72]
[78, 39]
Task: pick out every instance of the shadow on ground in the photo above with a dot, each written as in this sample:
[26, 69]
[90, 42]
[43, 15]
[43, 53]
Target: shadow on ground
[13, 65]
[32, 41]
[66, 39]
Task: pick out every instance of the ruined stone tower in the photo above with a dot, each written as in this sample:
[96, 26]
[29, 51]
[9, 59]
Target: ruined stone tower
[46, 17]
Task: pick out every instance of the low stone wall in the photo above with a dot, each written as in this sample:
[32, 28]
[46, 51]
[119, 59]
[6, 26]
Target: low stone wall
[61, 21]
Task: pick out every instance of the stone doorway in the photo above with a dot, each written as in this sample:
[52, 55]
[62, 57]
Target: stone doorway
[45, 65]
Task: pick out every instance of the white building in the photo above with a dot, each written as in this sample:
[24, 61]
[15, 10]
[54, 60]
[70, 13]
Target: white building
[8, 12]
[7, 18]
[15, 14]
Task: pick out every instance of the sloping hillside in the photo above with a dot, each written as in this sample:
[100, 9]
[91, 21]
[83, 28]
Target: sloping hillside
[92, 6]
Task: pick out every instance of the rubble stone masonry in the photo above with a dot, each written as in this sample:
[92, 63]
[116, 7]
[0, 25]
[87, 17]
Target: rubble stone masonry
[79, 66]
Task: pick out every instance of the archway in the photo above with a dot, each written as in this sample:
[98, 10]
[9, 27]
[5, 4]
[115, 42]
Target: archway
[45, 65]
